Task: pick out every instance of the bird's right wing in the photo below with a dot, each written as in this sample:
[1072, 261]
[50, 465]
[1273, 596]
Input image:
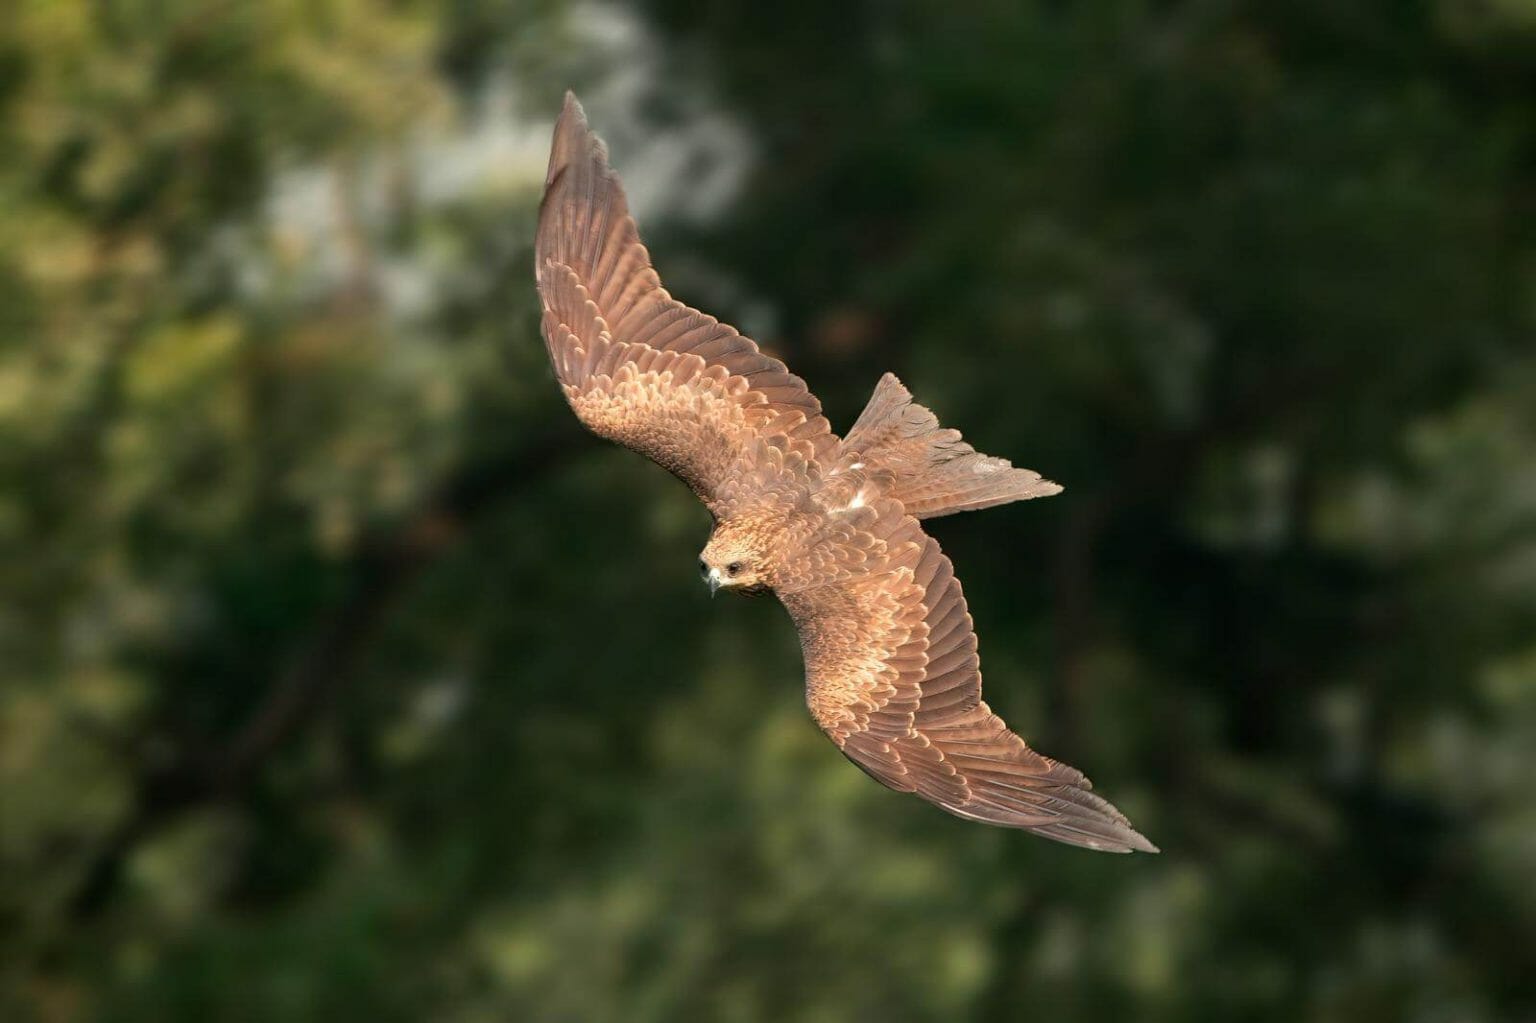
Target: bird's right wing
[638, 366]
[892, 676]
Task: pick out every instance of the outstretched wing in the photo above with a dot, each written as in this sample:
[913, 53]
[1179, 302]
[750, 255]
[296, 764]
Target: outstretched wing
[636, 365]
[893, 677]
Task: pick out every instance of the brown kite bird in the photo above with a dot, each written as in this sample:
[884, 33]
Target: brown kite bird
[828, 525]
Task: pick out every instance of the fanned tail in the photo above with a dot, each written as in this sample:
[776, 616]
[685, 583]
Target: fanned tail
[933, 471]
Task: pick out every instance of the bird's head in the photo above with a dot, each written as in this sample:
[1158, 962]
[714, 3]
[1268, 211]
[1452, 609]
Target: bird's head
[733, 560]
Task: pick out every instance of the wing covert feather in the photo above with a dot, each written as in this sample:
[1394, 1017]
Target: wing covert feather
[636, 365]
[893, 677]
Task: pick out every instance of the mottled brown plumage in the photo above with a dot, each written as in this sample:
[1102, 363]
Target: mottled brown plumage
[830, 526]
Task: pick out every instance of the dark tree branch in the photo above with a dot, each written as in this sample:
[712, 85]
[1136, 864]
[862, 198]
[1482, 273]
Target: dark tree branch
[383, 567]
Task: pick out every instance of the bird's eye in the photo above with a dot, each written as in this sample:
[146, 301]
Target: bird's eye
[703, 568]
[734, 568]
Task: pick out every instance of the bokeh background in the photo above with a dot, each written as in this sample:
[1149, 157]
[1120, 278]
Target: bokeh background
[345, 678]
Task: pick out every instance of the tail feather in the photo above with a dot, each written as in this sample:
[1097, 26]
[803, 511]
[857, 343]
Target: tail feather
[933, 471]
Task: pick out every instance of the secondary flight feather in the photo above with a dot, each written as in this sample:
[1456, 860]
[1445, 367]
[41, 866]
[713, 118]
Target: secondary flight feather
[829, 525]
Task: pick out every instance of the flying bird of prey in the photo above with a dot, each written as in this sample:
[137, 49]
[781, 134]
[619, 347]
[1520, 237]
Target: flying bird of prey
[830, 526]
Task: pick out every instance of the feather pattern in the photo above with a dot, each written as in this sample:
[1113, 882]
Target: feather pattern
[638, 366]
[831, 527]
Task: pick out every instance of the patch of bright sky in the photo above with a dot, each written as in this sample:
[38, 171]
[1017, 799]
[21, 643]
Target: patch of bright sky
[689, 169]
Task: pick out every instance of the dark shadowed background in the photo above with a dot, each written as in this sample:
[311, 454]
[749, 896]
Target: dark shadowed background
[345, 678]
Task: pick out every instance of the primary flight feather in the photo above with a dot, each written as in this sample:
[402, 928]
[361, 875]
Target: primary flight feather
[829, 525]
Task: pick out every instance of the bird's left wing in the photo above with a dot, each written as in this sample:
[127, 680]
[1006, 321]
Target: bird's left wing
[892, 676]
[636, 365]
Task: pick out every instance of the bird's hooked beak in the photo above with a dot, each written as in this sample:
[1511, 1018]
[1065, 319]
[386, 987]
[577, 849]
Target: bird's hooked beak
[713, 579]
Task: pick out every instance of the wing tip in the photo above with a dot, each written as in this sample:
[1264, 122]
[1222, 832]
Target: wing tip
[571, 112]
[574, 140]
[1140, 843]
[1124, 839]
[1106, 834]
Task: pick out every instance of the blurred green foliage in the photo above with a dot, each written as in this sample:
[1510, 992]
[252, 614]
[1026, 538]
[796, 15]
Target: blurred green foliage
[343, 678]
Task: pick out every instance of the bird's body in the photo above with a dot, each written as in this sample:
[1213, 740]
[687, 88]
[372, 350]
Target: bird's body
[828, 524]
